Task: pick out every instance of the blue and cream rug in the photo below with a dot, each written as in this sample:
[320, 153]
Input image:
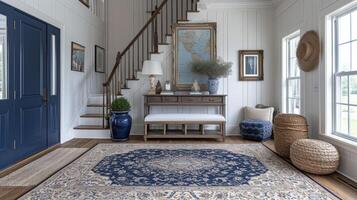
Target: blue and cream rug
[179, 171]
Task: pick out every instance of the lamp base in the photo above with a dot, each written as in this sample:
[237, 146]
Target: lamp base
[152, 85]
[152, 92]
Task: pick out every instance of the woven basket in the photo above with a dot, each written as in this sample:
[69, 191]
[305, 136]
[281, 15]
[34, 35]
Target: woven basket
[287, 129]
[314, 156]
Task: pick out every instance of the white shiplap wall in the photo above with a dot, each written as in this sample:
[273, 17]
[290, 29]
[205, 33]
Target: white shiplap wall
[78, 24]
[248, 26]
[292, 15]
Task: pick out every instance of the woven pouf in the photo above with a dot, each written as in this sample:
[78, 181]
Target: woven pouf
[257, 130]
[287, 129]
[314, 156]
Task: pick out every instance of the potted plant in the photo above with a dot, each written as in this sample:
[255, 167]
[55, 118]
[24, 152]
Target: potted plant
[213, 69]
[120, 120]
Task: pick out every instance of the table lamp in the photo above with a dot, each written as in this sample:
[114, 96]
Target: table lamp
[152, 68]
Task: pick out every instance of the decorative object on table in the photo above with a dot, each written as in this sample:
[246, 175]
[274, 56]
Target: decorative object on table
[213, 69]
[167, 86]
[120, 120]
[152, 68]
[308, 51]
[236, 170]
[158, 88]
[195, 86]
[77, 57]
[85, 2]
[287, 129]
[99, 59]
[314, 156]
[192, 41]
[257, 124]
[251, 64]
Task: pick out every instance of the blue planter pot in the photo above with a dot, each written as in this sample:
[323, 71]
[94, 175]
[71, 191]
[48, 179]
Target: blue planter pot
[120, 125]
[213, 84]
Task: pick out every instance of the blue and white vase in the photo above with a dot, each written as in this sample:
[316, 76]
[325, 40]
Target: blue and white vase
[213, 84]
[120, 125]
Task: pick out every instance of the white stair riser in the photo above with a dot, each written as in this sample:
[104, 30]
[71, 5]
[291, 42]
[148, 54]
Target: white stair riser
[102, 134]
[197, 16]
[94, 110]
[91, 121]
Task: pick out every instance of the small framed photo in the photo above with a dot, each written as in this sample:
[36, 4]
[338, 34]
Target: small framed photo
[99, 59]
[77, 57]
[251, 65]
[85, 2]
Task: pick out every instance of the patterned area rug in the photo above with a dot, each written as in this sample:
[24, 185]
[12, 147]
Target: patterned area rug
[179, 171]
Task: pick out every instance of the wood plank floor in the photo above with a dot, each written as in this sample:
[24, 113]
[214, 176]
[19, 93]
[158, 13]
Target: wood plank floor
[336, 183]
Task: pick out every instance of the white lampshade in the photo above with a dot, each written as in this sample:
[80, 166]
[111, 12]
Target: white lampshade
[152, 68]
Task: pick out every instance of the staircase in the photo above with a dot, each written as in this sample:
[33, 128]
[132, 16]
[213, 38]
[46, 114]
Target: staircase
[153, 42]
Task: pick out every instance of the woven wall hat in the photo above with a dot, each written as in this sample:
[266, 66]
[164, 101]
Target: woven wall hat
[308, 51]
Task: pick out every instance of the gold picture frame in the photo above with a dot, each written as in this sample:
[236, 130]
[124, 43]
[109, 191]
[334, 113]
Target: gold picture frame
[251, 65]
[181, 68]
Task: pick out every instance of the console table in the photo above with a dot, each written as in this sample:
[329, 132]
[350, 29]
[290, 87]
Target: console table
[218, 101]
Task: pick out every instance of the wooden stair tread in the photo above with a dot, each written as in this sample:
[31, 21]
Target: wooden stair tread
[92, 115]
[90, 127]
[95, 105]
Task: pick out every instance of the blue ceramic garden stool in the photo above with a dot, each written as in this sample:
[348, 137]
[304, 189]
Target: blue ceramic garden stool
[258, 130]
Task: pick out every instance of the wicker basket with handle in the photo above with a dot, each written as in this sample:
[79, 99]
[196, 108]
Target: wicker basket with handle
[287, 129]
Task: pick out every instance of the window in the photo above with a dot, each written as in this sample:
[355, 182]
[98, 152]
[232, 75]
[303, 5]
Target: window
[292, 74]
[345, 75]
[3, 57]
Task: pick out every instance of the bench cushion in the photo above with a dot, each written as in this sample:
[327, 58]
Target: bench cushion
[180, 117]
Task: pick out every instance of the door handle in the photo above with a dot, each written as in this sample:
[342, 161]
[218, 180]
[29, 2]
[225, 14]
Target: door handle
[45, 96]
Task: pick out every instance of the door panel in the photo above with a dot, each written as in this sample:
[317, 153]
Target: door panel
[30, 84]
[53, 63]
[7, 153]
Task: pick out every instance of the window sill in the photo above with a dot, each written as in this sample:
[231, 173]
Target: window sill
[340, 142]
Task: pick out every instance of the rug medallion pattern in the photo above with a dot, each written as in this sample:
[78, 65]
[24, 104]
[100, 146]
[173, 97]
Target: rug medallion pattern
[182, 167]
[151, 172]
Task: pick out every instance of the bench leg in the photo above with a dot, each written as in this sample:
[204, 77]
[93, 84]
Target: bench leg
[185, 129]
[223, 129]
[202, 129]
[164, 129]
[146, 132]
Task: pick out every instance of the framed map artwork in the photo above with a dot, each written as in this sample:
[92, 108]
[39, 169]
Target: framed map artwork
[192, 41]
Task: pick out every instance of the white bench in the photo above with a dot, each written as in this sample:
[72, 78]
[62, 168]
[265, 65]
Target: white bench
[185, 120]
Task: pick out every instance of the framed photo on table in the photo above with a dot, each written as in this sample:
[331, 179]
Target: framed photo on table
[251, 65]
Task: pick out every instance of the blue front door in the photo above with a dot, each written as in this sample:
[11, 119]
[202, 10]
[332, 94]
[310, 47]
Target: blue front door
[7, 133]
[29, 85]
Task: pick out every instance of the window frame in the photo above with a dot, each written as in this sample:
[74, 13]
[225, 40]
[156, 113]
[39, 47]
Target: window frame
[339, 74]
[286, 71]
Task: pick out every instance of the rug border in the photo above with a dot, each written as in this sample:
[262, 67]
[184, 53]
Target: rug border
[51, 175]
[262, 143]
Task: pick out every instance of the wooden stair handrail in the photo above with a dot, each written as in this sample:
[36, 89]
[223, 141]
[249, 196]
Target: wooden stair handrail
[119, 55]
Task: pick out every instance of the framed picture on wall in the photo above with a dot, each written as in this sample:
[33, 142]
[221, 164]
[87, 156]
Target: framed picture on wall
[99, 59]
[85, 2]
[77, 57]
[251, 65]
[192, 41]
